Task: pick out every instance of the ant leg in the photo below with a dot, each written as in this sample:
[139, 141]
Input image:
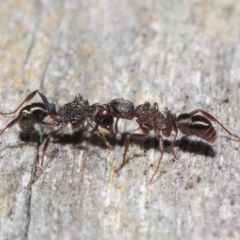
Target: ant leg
[160, 141]
[35, 119]
[44, 149]
[50, 135]
[116, 126]
[28, 128]
[12, 123]
[96, 130]
[104, 139]
[28, 98]
[208, 115]
[145, 134]
[95, 127]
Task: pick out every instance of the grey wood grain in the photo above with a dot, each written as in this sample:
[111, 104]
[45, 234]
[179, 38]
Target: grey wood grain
[183, 55]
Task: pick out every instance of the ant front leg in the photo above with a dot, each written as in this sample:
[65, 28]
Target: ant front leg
[96, 130]
[171, 125]
[160, 142]
[145, 129]
[50, 135]
[209, 116]
[12, 123]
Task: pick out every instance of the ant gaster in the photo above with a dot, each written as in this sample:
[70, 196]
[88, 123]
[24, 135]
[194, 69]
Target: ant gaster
[75, 113]
[150, 118]
[31, 114]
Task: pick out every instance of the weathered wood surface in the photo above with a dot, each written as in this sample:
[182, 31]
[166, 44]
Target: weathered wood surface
[182, 55]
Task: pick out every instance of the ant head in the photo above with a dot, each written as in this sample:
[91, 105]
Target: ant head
[121, 108]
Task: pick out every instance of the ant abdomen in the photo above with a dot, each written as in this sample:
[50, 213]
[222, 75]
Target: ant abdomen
[196, 125]
[31, 113]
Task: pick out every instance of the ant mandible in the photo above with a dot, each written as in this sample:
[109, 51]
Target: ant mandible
[75, 113]
[150, 118]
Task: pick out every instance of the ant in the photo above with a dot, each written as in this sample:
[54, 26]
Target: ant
[150, 118]
[78, 112]
[75, 113]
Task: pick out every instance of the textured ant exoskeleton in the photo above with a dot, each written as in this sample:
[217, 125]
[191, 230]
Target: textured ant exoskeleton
[75, 113]
[120, 108]
[150, 118]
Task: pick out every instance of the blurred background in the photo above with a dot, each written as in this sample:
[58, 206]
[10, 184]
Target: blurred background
[181, 54]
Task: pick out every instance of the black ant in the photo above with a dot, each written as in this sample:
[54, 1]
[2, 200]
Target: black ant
[150, 118]
[75, 113]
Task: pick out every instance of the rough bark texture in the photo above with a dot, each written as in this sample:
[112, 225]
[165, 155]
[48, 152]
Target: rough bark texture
[183, 55]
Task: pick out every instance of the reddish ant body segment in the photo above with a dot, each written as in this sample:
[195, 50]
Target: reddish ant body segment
[100, 116]
[150, 118]
[75, 113]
